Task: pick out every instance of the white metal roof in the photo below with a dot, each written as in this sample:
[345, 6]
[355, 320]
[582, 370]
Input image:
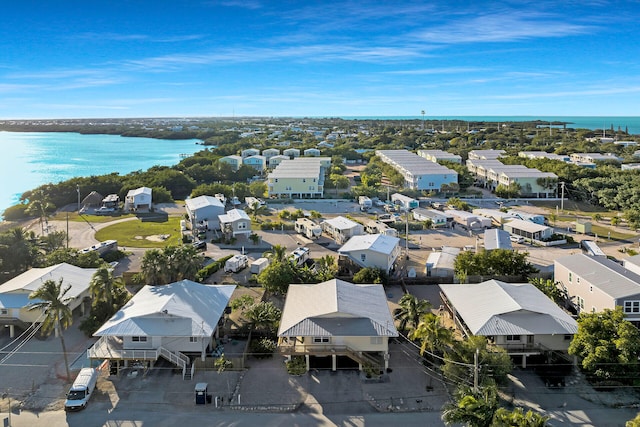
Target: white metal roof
[31, 280]
[233, 215]
[336, 308]
[498, 308]
[341, 223]
[374, 242]
[141, 190]
[495, 238]
[528, 226]
[203, 201]
[180, 309]
[603, 273]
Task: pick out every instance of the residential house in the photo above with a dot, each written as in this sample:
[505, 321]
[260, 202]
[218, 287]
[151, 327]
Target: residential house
[138, 199]
[276, 160]
[632, 263]
[311, 152]
[259, 163]
[527, 229]
[341, 229]
[418, 172]
[171, 321]
[235, 222]
[407, 203]
[486, 154]
[203, 212]
[497, 217]
[437, 218]
[291, 152]
[234, 161]
[249, 152]
[594, 283]
[515, 316]
[544, 155]
[269, 153]
[14, 294]
[442, 263]
[594, 158]
[495, 238]
[337, 325]
[438, 156]
[371, 250]
[299, 178]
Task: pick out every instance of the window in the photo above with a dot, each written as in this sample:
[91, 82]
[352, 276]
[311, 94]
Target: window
[320, 339]
[570, 277]
[580, 301]
[577, 280]
[513, 338]
[363, 257]
[242, 225]
[311, 187]
[632, 306]
[139, 339]
[304, 180]
[376, 340]
[590, 288]
[568, 337]
[276, 179]
[4, 312]
[193, 339]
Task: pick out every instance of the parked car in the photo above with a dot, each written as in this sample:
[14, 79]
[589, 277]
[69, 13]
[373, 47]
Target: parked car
[517, 239]
[199, 244]
[104, 210]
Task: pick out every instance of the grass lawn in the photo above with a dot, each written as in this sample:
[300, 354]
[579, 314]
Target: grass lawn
[140, 234]
[94, 219]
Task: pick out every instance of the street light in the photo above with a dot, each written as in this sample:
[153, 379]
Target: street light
[78, 190]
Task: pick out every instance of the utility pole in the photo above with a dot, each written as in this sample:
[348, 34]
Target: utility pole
[406, 239]
[78, 190]
[562, 196]
[475, 371]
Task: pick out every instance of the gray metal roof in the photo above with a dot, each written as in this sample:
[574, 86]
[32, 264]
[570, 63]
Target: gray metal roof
[180, 309]
[336, 308]
[497, 239]
[498, 308]
[374, 242]
[608, 276]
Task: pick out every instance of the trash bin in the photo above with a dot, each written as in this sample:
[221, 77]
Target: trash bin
[201, 393]
[209, 398]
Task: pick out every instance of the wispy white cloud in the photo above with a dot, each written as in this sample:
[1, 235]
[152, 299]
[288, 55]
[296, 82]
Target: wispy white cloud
[504, 26]
[124, 37]
[242, 4]
[299, 54]
[444, 70]
[570, 93]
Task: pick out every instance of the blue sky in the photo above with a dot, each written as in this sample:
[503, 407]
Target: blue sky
[142, 58]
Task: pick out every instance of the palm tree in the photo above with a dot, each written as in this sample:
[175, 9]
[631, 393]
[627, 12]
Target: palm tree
[104, 286]
[256, 209]
[153, 267]
[276, 253]
[183, 263]
[517, 417]
[410, 310]
[50, 299]
[471, 408]
[433, 334]
[39, 206]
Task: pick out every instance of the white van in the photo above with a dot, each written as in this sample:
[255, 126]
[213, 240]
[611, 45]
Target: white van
[80, 392]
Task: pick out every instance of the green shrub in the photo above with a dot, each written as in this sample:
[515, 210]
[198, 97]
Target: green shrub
[212, 268]
[296, 366]
[262, 348]
[15, 212]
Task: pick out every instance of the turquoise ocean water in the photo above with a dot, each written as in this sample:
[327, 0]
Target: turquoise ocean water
[582, 122]
[31, 159]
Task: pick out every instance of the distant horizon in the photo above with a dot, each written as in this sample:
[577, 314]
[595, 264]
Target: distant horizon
[357, 58]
